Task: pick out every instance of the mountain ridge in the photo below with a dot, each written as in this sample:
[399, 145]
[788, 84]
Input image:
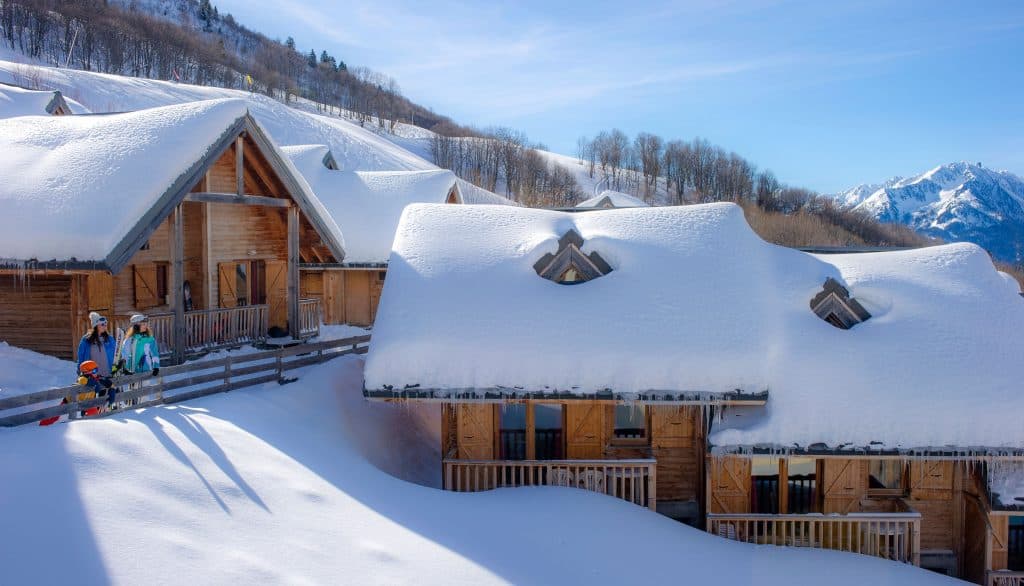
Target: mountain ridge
[957, 202]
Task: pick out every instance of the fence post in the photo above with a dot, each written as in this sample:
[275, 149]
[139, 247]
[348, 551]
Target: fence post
[227, 373]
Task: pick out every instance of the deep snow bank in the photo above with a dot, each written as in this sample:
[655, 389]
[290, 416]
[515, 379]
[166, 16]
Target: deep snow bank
[273, 485]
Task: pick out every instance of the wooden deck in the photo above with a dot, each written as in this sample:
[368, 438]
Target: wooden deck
[631, 480]
[894, 536]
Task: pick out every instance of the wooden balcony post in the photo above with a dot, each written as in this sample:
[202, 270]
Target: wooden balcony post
[293, 272]
[178, 294]
[652, 487]
[240, 165]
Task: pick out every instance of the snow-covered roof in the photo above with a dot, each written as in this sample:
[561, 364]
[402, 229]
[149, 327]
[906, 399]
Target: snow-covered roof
[76, 187]
[471, 194]
[697, 302]
[612, 199]
[368, 204]
[18, 101]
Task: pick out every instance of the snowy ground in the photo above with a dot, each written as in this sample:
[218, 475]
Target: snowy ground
[290, 484]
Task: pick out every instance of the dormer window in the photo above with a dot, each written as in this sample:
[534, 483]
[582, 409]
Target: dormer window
[569, 266]
[834, 305]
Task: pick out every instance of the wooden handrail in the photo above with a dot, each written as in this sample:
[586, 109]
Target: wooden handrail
[1004, 578]
[895, 536]
[632, 480]
[187, 381]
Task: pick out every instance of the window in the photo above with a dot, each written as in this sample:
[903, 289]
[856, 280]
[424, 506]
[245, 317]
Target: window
[802, 485]
[834, 305]
[161, 283]
[630, 423]
[512, 432]
[798, 495]
[569, 265]
[547, 431]
[242, 283]
[381, 275]
[764, 478]
[1015, 547]
[886, 475]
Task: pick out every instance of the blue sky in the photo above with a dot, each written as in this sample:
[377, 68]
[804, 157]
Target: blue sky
[827, 94]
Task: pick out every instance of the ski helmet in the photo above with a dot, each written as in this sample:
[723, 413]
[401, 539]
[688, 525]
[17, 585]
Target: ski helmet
[88, 367]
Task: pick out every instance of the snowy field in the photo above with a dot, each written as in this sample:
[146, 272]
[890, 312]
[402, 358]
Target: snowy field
[291, 484]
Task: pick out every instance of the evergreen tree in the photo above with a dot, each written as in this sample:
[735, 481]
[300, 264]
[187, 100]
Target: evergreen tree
[290, 43]
[311, 58]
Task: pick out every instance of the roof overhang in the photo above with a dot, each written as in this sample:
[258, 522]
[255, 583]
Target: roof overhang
[343, 266]
[849, 452]
[123, 252]
[504, 394]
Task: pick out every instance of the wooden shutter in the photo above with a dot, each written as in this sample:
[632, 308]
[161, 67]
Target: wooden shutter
[584, 430]
[844, 483]
[931, 480]
[476, 432]
[100, 287]
[277, 292]
[673, 427]
[145, 286]
[730, 485]
[228, 280]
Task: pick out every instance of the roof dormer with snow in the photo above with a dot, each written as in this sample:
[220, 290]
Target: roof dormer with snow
[18, 101]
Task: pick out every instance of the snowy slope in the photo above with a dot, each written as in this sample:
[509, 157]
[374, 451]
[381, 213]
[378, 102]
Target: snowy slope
[354, 147]
[956, 202]
[279, 485]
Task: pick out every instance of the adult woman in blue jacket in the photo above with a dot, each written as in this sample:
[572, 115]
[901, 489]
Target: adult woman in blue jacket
[98, 345]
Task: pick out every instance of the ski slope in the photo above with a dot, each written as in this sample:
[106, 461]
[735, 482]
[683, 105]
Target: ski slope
[291, 484]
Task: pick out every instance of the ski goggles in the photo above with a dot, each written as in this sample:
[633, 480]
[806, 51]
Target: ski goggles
[102, 321]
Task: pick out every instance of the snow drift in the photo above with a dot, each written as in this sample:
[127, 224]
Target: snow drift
[275, 485]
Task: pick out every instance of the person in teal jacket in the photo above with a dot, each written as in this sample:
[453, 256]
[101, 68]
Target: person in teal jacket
[139, 351]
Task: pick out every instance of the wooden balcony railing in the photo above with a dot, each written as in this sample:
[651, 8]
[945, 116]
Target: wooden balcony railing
[630, 480]
[1005, 578]
[214, 328]
[309, 318]
[894, 536]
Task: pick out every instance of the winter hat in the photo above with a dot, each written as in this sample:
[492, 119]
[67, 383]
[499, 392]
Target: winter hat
[138, 318]
[96, 319]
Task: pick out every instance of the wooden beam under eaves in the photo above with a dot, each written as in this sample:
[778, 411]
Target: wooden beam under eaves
[249, 200]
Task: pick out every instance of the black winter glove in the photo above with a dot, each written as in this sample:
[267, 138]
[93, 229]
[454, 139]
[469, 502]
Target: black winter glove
[156, 372]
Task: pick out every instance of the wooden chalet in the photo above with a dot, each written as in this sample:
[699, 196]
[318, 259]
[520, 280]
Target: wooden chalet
[191, 215]
[367, 206]
[20, 101]
[637, 364]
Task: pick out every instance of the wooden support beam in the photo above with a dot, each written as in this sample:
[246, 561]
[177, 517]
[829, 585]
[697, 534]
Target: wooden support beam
[293, 271]
[248, 200]
[240, 165]
[178, 294]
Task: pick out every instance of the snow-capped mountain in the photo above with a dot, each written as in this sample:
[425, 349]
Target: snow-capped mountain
[956, 202]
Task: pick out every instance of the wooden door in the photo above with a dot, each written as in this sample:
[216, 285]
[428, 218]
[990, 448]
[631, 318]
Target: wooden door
[357, 298]
[844, 483]
[584, 427]
[675, 445]
[277, 293]
[334, 297]
[227, 283]
[476, 432]
[730, 485]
